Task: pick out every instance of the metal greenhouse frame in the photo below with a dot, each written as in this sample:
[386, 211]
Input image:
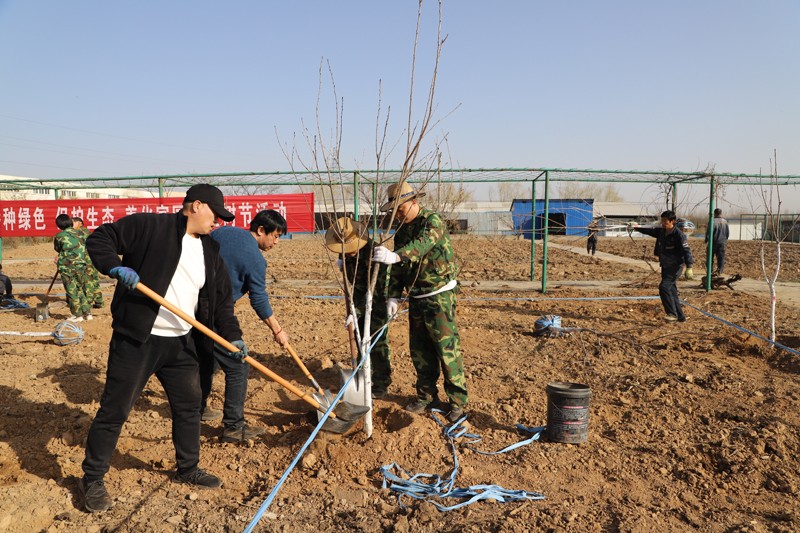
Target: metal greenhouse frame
[542, 177]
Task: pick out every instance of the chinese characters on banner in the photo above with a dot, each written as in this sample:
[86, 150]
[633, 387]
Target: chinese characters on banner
[37, 218]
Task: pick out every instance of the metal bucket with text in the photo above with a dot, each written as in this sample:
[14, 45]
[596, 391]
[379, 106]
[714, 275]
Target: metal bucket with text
[568, 412]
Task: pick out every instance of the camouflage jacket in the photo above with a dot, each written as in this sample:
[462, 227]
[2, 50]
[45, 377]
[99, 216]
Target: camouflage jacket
[84, 231]
[357, 268]
[71, 247]
[427, 260]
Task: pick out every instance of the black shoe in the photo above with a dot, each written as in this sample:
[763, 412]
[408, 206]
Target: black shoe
[682, 319]
[420, 406]
[199, 478]
[241, 434]
[210, 414]
[95, 495]
[379, 394]
[455, 414]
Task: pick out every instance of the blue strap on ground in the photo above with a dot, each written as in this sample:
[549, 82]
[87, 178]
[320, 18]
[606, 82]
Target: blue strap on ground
[12, 303]
[432, 487]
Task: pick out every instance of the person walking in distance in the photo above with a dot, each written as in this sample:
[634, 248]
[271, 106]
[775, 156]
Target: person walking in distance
[719, 241]
[174, 256]
[241, 250]
[591, 242]
[423, 264]
[672, 250]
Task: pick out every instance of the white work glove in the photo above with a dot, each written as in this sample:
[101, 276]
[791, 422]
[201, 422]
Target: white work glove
[349, 320]
[391, 306]
[384, 255]
[339, 264]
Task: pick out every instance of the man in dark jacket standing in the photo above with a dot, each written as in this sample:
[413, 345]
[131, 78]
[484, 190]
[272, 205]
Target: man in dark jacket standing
[673, 252]
[174, 256]
[720, 240]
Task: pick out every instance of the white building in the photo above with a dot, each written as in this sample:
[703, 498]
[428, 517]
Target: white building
[12, 189]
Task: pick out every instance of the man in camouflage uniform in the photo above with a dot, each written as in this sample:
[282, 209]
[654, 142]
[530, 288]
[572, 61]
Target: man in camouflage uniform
[424, 265]
[350, 239]
[93, 291]
[72, 265]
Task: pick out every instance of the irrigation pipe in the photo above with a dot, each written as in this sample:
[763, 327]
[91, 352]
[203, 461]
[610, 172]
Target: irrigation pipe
[740, 328]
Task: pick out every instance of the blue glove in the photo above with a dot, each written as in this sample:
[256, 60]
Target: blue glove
[126, 275]
[241, 354]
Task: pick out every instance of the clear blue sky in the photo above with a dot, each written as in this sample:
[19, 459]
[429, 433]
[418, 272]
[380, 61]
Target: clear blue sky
[99, 88]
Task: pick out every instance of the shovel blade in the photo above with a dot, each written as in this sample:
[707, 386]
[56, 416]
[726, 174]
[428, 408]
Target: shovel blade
[355, 392]
[347, 415]
[41, 313]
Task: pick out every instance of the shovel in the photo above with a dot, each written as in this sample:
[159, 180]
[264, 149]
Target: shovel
[341, 419]
[42, 312]
[324, 397]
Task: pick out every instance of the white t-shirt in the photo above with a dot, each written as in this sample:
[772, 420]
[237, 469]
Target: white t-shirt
[184, 289]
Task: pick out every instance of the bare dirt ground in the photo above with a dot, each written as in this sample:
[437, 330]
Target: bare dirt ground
[693, 426]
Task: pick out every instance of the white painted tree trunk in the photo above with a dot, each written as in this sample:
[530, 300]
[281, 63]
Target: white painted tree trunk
[773, 294]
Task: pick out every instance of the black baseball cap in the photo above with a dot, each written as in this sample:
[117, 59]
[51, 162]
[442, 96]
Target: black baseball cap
[208, 194]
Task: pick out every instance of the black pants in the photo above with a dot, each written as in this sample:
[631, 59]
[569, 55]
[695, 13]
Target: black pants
[719, 255]
[130, 364]
[668, 290]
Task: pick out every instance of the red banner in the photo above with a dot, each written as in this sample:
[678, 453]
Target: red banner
[37, 218]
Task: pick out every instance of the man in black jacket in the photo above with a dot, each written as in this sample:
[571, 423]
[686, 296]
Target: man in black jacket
[673, 252]
[173, 255]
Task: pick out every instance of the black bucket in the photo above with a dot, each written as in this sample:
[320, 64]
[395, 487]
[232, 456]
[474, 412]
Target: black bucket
[568, 412]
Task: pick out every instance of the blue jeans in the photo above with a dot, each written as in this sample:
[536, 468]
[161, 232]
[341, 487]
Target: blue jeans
[236, 373]
[668, 290]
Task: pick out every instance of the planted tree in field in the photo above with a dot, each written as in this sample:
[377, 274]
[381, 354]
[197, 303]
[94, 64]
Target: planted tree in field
[776, 231]
[321, 157]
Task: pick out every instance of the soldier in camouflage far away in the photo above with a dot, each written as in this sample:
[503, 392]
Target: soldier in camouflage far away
[72, 265]
[93, 291]
[424, 265]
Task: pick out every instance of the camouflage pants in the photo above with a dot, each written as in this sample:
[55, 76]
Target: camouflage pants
[380, 357]
[93, 292]
[74, 279]
[436, 347]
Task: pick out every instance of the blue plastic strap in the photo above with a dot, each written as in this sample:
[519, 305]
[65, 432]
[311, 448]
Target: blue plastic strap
[432, 487]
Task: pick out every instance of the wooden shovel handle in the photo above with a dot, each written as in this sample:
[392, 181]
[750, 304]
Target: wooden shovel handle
[303, 367]
[52, 282]
[147, 291]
